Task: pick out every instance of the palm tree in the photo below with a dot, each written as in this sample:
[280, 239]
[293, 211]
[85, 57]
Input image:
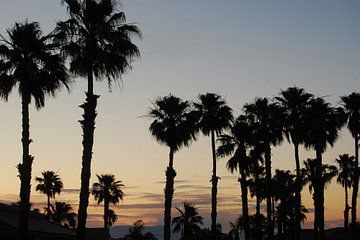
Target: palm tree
[266, 118]
[174, 125]
[28, 59]
[317, 180]
[107, 190]
[235, 228]
[346, 178]
[188, 222]
[215, 117]
[351, 104]
[49, 184]
[324, 123]
[98, 42]
[236, 144]
[295, 102]
[62, 213]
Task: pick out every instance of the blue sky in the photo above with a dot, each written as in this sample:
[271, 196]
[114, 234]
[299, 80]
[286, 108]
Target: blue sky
[239, 49]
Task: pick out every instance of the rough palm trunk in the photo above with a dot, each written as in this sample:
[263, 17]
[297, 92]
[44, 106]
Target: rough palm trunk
[297, 221]
[346, 211]
[355, 188]
[214, 182]
[245, 208]
[270, 226]
[25, 170]
[106, 213]
[88, 126]
[48, 207]
[169, 192]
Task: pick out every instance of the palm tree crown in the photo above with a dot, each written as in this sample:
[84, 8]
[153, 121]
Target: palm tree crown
[188, 222]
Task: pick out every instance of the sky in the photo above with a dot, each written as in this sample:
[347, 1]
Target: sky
[238, 49]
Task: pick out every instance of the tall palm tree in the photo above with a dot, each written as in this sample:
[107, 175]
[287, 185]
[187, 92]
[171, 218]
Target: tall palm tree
[49, 184]
[188, 222]
[97, 41]
[325, 123]
[215, 117]
[174, 125]
[28, 59]
[346, 179]
[266, 118]
[351, 104]
[107, 190]
[237, 143]
[295, 102]
[313, 176]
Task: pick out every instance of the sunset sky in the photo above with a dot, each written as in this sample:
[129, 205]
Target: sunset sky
[238, 49]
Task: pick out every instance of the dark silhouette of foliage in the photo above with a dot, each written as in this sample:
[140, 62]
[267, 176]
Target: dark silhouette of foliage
[174, 125]
[351, 105]
[324, 123]
[49, 184]
[28, 59]
[136, 232]
[107, 190]
[62, 213]
[112, 217]
[267, 119]
[215, 117]
[347, 166]
[295, 102]
[97, 41]
[188, 222]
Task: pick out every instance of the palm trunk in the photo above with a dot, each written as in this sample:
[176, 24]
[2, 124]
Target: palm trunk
[346, 211]
[25, 170]
[245, 208]
[316, 209]
[320, 196]
[106, 213]
[48, 207]
[355, 188]
[270, 226]
[297, 221]
[169, 192]
[88, 126]
[214, 181]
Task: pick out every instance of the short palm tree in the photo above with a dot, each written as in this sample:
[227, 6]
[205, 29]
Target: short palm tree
[107, 190]
[29, 59]
[267, 119]
[62, 213]
[325, 123]
[295, 102]
[236, 144]
[351, 105]
[188, 222]
[49, 184]
[346, 168]
[174, 125]
[112, 217]
[236, 228]
[98, 43]
[317, 179]
[215, 117]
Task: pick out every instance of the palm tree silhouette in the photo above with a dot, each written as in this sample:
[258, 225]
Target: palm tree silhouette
[295, 102]
[62, 213]
[317, 180]
[98, 43]
[49, 184]
[28, 59]
[188, 222]
[236, 228]
[237, 143]
[324, 123]
[347, 165]
[174, 125]
[107, 190]
[267, 119]
[112, 217]
[215, 117]
[351, 104]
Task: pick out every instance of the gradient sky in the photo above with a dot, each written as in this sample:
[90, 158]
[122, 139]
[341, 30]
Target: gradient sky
[239, 49]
